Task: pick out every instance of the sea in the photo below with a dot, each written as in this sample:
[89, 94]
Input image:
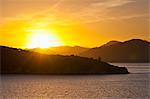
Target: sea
[135, 85]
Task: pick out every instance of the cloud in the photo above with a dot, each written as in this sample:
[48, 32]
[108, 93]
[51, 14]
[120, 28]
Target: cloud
[112, 3]
[85, 11]
[105, 11]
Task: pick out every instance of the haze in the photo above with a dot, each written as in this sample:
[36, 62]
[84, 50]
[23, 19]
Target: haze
[87, 23]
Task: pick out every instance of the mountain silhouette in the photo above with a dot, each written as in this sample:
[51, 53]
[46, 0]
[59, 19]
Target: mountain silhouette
[61, 50]
[18, 61]
[135, 50]
[112, 43]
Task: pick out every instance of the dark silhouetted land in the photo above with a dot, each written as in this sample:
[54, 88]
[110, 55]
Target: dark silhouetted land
[17, 61]
[134, 50]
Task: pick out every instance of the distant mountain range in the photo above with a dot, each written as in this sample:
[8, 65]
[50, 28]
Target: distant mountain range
[135, 50]
[61, 50]
[18, 61]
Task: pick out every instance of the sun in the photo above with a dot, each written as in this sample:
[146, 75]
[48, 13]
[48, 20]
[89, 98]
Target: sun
[42, 39]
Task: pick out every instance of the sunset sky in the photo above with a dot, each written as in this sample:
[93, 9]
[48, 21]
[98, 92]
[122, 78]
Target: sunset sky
[87, 23]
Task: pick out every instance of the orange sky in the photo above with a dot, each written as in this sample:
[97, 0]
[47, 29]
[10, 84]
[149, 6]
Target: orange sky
[87, 23]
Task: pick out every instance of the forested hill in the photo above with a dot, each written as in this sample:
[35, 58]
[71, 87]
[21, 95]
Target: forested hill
[17, 61]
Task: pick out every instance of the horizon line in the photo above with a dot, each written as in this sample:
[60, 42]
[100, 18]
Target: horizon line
[73, 45]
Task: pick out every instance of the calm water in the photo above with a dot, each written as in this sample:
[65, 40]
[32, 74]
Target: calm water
[125, 86]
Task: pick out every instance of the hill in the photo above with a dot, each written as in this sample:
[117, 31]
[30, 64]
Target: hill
[17, 61]
[61, 50]
[111, 43]
[135, 50]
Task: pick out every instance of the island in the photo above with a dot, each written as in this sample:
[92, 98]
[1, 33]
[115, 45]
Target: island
[18, 61]
[130, 51]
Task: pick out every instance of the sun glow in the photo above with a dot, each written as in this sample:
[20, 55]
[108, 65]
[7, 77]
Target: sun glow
[42, 39]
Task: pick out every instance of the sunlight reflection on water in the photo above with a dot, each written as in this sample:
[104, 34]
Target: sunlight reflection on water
[133, 86]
